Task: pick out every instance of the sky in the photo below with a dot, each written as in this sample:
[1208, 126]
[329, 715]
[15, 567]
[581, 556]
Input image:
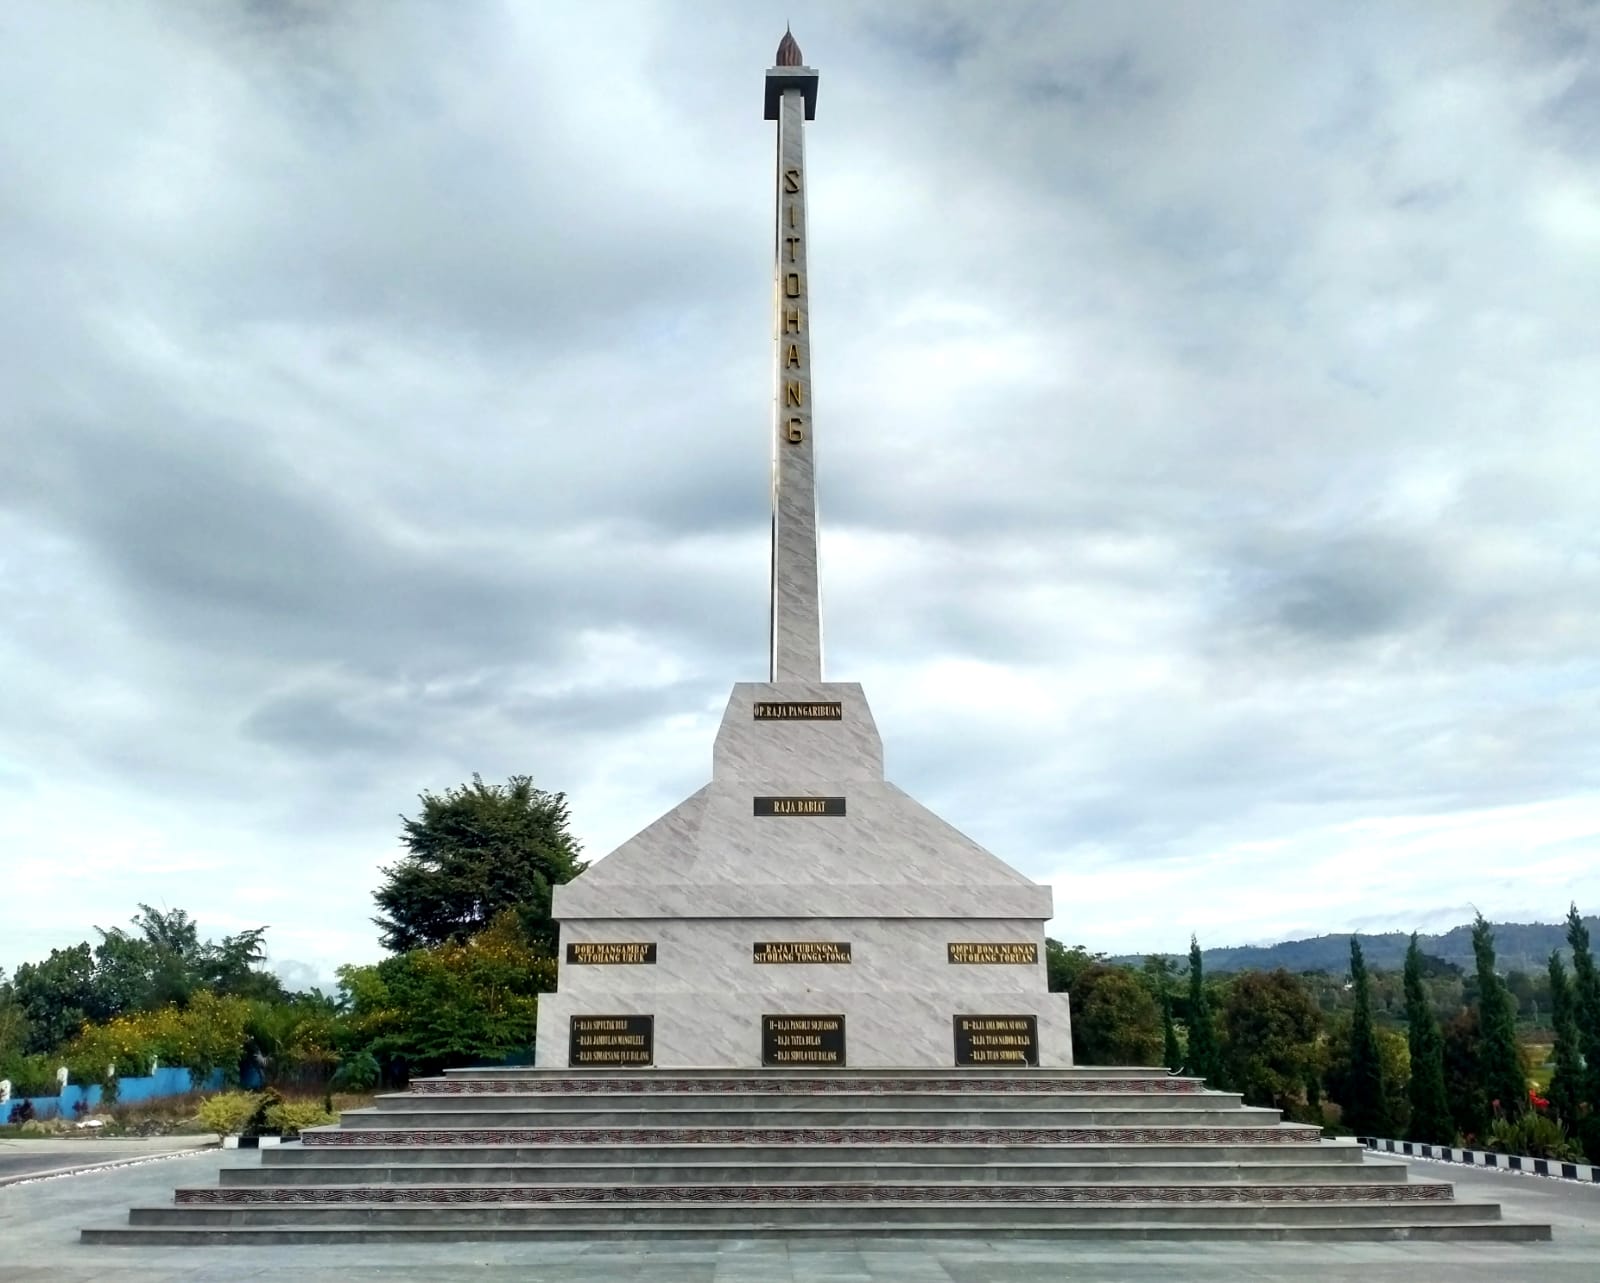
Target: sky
[1205, 414]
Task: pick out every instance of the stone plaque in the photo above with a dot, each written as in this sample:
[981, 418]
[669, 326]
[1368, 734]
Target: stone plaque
[1020, 953]
[801, 951]
[612, 1040]
[799, 806]
[604, 953]
[795, 711]
[802, 1040]
[997, 1041]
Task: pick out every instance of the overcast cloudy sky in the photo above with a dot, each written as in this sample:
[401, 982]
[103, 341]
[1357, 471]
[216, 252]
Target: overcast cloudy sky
[1206, 409]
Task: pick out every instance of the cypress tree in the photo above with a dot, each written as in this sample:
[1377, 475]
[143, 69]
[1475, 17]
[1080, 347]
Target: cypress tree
[1366, 1112]
[1566, 1082]
[1170, 1055]
[1504, 1079]
[1585, 1008]
[1430, 1107]
[1205, 1055]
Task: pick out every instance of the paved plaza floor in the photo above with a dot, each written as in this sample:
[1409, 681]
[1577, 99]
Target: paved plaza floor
[40, 1220]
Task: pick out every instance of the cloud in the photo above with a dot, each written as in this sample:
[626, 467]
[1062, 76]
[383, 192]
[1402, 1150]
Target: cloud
[1204, 434]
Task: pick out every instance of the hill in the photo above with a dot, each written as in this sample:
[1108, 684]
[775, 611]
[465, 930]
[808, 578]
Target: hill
[1519, 946]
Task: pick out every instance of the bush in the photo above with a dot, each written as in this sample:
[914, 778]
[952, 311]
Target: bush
[21, 1112]
[31, 1075]
[291, 1117]
[357, 1073]
[1534, 1135]
[227, 1112]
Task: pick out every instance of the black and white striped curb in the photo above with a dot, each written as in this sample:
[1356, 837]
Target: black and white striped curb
[1486, 1158]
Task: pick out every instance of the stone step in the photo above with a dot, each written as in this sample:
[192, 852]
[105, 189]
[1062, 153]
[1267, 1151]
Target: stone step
[672, 1103]
[798, 1216]
[422, 1137]
[1388, 1224]
[841, 1083]
[811, 1115]
[554, 1073]
[854, 1193]
[979, 1168]
[293, 1155]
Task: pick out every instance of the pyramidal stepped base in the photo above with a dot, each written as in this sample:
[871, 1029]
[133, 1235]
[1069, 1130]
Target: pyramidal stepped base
[800, 883]
[542, 1155]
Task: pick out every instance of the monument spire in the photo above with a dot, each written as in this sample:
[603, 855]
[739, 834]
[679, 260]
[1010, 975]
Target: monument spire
[791, 100]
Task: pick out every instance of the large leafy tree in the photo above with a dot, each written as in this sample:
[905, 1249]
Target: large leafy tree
[1270, 1029]
[474, 853]
[1205, 1053]
[1566, 1078]
[1115, 1020]
[1430, 1108]
[57, 996]
[1504, 1077]
[1364, 1105]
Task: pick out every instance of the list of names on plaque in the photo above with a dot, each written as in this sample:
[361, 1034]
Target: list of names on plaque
[610, 953]
[997, 1040]
[978, 951]
[612, 1040]
[801, 951]
[802, 1040]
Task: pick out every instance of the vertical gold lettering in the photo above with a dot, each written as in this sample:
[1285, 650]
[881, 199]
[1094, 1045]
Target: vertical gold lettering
[791, 215]
[791, 359]
[791, 394]
[791, 321]
[791, 180]
[791, 285]
[795, 432]
[792, 242]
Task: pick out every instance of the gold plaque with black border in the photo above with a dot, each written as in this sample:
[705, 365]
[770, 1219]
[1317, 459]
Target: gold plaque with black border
[802, 1040]
[984, 953]
[789, 710]
[799, 806]
[997, 1042]
[603, 953]
[599, 1041]
[800, 951]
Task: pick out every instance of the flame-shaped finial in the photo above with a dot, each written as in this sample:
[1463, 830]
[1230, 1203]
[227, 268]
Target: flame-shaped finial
[789, 54]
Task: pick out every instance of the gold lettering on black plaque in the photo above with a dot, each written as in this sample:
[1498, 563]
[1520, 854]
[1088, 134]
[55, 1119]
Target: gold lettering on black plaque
[799, 806]
[602, 953]
[997, 1040]
[797, 711]
[612, 1040]
[802, 1040]
[801, 951]
[983, 952]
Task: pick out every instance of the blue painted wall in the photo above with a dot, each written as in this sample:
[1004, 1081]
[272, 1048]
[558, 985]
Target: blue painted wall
[164, 1082]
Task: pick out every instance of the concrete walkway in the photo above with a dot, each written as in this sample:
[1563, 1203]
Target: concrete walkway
[39, 1224]
[22, 1160]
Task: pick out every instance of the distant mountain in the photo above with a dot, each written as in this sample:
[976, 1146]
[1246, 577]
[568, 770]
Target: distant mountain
[1518, 946]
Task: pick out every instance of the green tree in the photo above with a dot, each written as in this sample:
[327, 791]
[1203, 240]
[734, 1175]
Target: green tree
[1270, 1028]
[453, 1004]
[1064, 965]
[1463, 1075]
[1505, 1079]
[1115, 1021]
[1364, 1103]
[1585, 1007]
[1566, 1079]
[57, 996]
[474, 853]
[1430, 1108]
[1205, 1054]
[1394, 1061]
[1159, 973]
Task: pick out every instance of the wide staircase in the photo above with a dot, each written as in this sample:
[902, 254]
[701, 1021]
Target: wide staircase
[548, 1154]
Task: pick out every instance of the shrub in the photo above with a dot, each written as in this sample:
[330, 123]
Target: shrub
[1534, 1135]
[21, 1112]
[357, 1073]
[227, 1112]
[31, 1075]
[291, 1117]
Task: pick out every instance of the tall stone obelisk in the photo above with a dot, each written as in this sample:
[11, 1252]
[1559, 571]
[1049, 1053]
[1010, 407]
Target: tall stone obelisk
[791, 100]
[800, 911]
